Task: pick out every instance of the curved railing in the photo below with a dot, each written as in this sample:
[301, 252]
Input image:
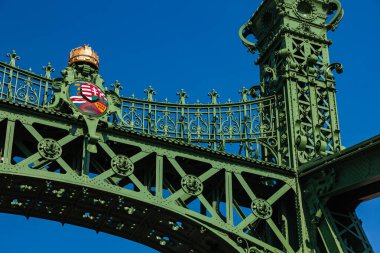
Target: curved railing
[25, 87]
[214, 124]
[246, 127]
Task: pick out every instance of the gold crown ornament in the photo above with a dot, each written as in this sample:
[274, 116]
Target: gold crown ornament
[84, 54]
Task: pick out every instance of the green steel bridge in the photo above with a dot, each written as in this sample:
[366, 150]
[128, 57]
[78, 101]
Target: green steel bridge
[265, 174]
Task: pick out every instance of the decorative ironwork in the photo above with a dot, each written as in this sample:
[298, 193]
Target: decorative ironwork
[261, 208]
[192, 185]
[122, 165]
[49, 149]
[25, 87]
[168, 194]
[247, 127]
[297, 69]
[138, 184]
[214, 125]
[305, 9]
[48, 70]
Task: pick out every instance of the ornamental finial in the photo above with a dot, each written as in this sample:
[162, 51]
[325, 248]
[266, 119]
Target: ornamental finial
[214, 96]
[150, 92]
[182, 96]
[84, 54]
[13, 58]
[48, 70]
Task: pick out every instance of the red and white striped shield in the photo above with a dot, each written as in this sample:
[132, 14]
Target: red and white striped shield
[91, 92]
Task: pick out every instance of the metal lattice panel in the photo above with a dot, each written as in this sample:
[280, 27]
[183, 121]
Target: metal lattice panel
[225, 196]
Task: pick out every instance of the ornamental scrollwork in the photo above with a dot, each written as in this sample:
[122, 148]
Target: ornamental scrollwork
[334, 6]
[305, 9]
[247, 247]
[49, 149]
[216, 125]
[261, 208]
[26, 93]
[122, 165]
[192, 185]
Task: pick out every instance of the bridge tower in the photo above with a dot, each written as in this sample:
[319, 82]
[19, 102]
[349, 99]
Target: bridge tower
[295, 66]
[291, 39]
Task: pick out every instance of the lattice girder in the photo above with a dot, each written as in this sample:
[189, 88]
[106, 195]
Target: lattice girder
[334, 187]
[235, 202]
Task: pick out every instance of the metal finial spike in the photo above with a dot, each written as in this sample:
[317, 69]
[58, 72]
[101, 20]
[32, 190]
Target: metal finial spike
[117, 87]
[214, 96]
[13, 58]
[244, 92]
[150, 92]
[182, 96]
[48, 70]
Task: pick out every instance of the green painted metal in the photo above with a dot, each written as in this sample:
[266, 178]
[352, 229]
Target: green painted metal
[240, 125]
[161, 173]
[295, 66]
[150, 173]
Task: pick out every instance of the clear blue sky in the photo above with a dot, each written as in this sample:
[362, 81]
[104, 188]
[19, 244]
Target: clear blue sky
[172, 45]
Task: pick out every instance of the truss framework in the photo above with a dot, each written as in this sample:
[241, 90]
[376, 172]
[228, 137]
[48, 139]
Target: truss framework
[135, 172]
[195, 192]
